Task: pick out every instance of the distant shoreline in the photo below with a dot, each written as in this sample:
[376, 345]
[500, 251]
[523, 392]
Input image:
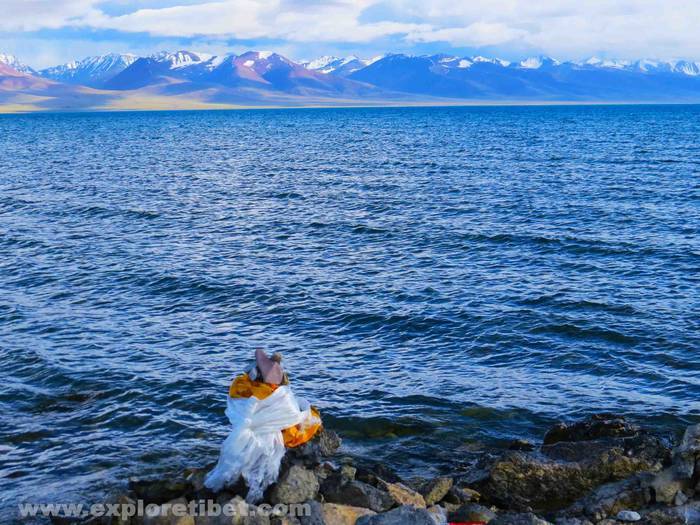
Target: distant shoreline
[13, 109]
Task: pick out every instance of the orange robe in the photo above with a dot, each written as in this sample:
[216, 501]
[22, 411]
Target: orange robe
[244, 387]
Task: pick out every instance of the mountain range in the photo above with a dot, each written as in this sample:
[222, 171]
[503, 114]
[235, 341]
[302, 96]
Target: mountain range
[186, 79]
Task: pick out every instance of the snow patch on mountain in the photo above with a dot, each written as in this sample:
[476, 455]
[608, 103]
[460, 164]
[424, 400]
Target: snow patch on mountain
[14, 63]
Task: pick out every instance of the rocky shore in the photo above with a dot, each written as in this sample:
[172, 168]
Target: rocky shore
[599, 471]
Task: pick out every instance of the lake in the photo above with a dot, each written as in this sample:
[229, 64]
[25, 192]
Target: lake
[439, 280]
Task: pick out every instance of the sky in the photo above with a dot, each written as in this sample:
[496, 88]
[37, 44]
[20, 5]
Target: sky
[42, 33]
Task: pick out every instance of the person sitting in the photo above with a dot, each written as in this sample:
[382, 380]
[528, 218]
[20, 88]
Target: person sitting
[266, 418]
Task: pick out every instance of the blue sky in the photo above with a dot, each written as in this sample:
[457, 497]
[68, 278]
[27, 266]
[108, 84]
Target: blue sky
[48, 32]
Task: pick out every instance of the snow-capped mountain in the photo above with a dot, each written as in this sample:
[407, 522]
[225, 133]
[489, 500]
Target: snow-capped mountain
[336, 65]
[262, 70]
[538, 62]
[14, 63]
[91, 71]
[267, 76]
[181, 59]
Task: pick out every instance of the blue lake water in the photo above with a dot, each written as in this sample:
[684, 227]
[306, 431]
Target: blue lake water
[438, 279]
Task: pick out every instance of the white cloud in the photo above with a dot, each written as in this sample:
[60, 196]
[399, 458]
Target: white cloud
[563, 28]
[30, 15]
[478, 34]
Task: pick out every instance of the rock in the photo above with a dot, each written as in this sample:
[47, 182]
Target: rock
[285, 520]
[195, 477]
[572, 521]
[375, 471]
[460, 495]
[519, 481]
[514, 518]
[630, 494]
[325, 469]
[295, 486]
[595, 427]
[328, 442]
[159, 491]
[471, 512]
[688, 514]
[684, 456]
[405, 515]
[642, 446]
[315, 514]
[348, 472]
[334, 514]
[401, 494]
[665, 486]
[324, 444]
[434, 490]
[521, 444]
[173, 512]
[680, 499]
[355, 493]
[628, 515]
[439, 514]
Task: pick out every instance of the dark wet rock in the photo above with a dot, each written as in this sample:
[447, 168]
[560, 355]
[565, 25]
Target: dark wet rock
[315, 514]
[405, 515]
[593, 428]
[285, 520]
[372, 472]
[651, 449]
[471, 512]
[336, 489]
[461, 495]
[159, 491]
[515, 518]
[325, 469]
[522, 445]
[607, 500]
[687, 454]
[296, 485]
[324, 445]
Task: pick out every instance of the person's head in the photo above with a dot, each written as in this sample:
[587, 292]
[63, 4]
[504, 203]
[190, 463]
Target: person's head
[270, 368]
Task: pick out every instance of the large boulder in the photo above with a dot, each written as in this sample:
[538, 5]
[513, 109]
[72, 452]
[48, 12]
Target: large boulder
[608, 500]
[565, 470]
[404, 515]
[296, 485]
[336, 489]
[519, 481]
